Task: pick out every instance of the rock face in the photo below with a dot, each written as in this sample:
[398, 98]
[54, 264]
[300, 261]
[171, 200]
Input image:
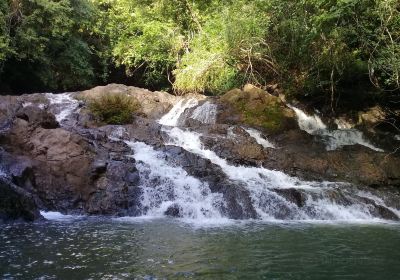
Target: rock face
[53, 160]
[16, 203]
[67, 169]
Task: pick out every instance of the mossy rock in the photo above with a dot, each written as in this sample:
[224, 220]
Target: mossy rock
[255, 107]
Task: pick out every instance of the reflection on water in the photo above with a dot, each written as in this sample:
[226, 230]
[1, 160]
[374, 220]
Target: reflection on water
[99, 248]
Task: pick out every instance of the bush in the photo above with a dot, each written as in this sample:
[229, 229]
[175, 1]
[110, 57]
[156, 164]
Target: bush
[114, 108]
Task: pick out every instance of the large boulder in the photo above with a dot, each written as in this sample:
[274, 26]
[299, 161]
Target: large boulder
[16, 203]
[152, 104]
[255, 107]
[37, 116]
[65, 166]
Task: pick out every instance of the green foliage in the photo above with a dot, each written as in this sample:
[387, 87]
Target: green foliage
[225, 51]
[310, 47]
[50, 38]
[114, 108]
[4, 34]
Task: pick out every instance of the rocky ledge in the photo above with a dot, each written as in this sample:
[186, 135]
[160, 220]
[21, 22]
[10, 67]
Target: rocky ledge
[55, 156]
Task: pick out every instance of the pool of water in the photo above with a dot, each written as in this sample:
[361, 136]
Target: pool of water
[102, 248]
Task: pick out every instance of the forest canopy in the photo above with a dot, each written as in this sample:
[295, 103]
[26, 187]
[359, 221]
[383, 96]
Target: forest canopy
[308, 47]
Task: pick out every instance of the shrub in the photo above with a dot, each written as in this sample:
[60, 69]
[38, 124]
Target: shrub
[114, 108]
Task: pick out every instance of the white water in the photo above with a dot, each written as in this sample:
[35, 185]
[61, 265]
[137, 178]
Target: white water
[57, 216]
[311, 124]
[164, 185]
[206, 113]
[378, 201]
[40, 105]
[260, 181]
[257, 135]
[172, 117]
[64, 103]
[334, 138]
[343, 124]
[2, 172]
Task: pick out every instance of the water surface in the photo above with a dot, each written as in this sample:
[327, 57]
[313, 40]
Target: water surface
[100, 248]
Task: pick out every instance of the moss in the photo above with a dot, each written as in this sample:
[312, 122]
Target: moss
[258, 108]
[114, 108]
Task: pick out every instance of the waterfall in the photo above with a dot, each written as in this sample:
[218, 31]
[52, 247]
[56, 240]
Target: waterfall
[62, 105]
[172, 117]
[334, 139]
[168, 189]
[310, 124]
[257, 135]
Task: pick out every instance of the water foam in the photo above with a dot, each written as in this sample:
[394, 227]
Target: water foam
[172, 117]
[164, 186]
[63, 105]
[257, 135]
[59, 217]
[334, 139]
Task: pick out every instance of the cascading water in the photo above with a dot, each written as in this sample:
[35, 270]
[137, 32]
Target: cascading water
[2, 172]
[62, 105]
[257, 135]
[169, 189]
[172, 117]
[334, 139]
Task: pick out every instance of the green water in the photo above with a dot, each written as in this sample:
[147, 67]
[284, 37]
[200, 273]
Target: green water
[167, 249]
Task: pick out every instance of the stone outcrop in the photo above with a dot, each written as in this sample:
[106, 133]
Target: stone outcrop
[255, 107]
[16, 203]
[74, 167]
[152, 104]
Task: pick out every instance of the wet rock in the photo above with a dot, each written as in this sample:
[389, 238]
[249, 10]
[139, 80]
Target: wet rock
[292, 195]
[16, 203]
[173, 211]
[255, 107]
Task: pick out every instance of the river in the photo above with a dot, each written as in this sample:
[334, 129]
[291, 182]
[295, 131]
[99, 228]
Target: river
[138, 248]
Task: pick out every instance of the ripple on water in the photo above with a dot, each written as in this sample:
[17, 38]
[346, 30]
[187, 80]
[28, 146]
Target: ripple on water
[104, 248]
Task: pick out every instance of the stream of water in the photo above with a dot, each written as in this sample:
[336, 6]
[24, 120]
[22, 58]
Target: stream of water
[336, 234]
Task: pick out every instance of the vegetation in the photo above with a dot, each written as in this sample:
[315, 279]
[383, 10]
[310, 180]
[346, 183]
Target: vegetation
[257, 109]
[322, 48]
[114, 108]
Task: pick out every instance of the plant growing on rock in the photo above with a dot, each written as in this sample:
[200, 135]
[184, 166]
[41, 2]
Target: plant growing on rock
[114, 108]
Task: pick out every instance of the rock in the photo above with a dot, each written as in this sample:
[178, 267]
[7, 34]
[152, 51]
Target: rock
[292, 195]
[173, 211]
[37, 116]
[16, 203]
[238, 148]
[255, 107]
[116, 191]
[372, 116]
[152, 104]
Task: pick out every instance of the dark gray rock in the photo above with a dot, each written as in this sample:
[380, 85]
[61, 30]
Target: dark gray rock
[16, 203]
